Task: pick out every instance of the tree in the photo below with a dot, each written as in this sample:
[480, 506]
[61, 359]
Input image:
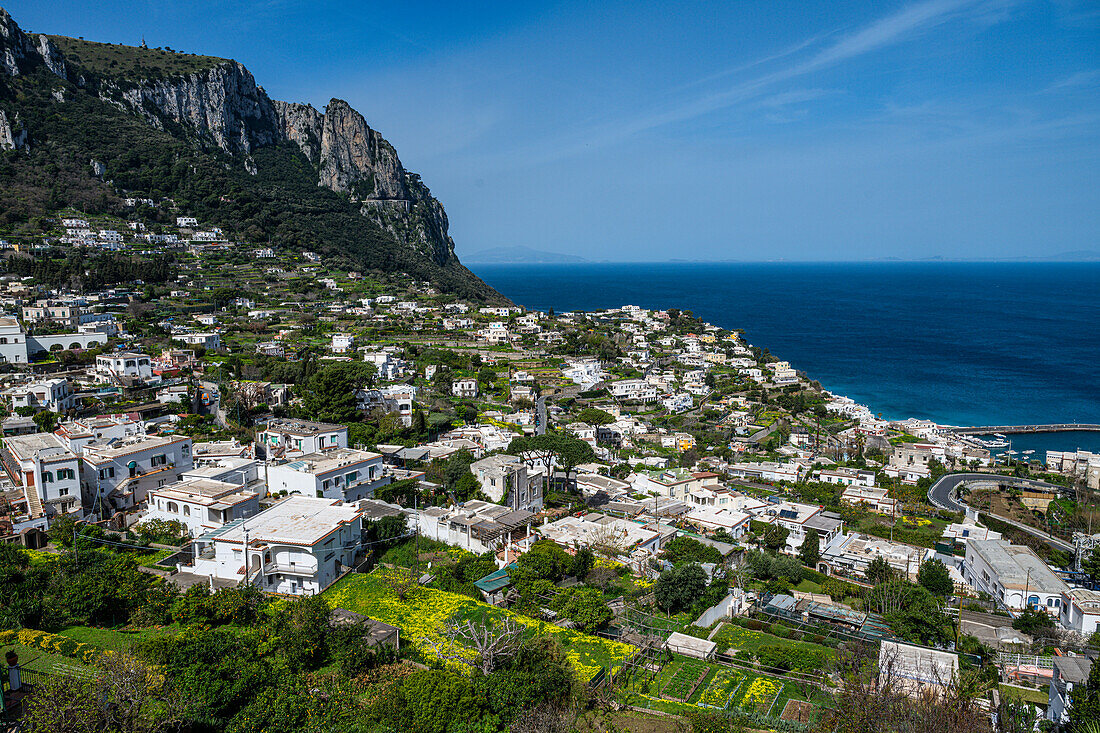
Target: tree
[934, 576]
[1031, 621]
[775, 537]
[683, 549]
[810, 549]
[494, 642]
[1091, 564]
[567, 451]
[595, 417]
[878, 570]
[1085, 699]
[125, 695]
[401, 581]
[46, 421]
[583, 560]
[680, 587]
[330, 394]
[585, 607]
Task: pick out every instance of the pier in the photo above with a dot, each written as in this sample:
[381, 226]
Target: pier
[1017, 429]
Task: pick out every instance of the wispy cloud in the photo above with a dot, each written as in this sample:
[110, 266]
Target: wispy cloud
[880, 34]
[1080, 79]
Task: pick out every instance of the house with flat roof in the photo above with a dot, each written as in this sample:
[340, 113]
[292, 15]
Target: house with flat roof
[602, 534]
[299, 546]
[120, 471]
[346, 474]
[1069, 673]
[76, 434]
[55, 395]
[48, 474]
[201, 504]
[1081, 610]
[673, 483]
[477, 526]
[284, 438]
[1014, 575]
[509, 481]
[122, 366]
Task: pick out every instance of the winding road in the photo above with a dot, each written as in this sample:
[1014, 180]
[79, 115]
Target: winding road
[942, 495]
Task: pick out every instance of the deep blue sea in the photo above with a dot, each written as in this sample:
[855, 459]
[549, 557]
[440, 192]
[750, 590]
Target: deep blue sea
[959, 343]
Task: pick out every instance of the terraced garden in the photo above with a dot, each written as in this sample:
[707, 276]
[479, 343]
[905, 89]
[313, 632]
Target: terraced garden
[424, 610]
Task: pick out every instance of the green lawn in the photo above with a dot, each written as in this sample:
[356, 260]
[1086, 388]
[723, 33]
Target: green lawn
[1025, 694]
[113, 639]
[40, 661]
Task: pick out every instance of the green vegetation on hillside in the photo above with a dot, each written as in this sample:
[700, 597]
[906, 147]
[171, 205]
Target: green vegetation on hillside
[132, 62]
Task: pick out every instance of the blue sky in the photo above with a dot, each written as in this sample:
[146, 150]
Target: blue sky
[710, 130]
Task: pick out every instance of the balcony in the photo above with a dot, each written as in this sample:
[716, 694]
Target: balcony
[274, 568]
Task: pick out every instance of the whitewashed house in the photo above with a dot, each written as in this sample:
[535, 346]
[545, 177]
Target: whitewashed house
[300, 546]
[342, 473]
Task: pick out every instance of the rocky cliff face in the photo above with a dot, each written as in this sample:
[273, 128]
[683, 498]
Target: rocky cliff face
[223, 106]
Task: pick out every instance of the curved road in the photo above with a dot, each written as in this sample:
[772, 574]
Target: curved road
[942, 495]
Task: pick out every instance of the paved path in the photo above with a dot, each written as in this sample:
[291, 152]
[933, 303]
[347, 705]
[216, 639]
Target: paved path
[540, 410]
[942, 495]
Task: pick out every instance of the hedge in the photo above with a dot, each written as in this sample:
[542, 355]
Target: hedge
[52, 643]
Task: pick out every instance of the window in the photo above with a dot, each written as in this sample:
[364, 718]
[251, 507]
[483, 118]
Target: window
[173, 508]
[186, 510]
[159, 460]
[350, 477]
[1033, 600]
[47, 477]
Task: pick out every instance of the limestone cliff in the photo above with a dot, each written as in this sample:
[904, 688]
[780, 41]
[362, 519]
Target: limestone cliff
[216, 104]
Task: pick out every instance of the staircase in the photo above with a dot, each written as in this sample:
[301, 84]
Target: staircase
[34, 504]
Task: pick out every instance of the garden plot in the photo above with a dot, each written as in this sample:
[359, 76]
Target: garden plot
[685, 679]
[757, 694]
[722, 686]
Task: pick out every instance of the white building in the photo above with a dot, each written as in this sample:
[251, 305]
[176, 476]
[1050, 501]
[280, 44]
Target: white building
[299, 546]
[13, 341]
[47, 472]
[477, 526]
[464, 388]
[342, 342]
[1081, 610]
[1069, 673]
[875, 498]
[395, 399]
[677, 402]
[602, 534]
[201, 504]
[55, 395]
[186, 221]
[123, 365]
[342, 473]
[1014, 575]
[119, 473]
[76, 434]
[285, 437]
[634, 390]
[845, 477]
[766, 470]
[208, 340]
[505, 480]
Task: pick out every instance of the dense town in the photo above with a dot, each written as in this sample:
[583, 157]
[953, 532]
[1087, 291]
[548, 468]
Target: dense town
[229, 442]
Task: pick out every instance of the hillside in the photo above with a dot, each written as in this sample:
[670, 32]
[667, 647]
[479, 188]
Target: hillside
[82, 123]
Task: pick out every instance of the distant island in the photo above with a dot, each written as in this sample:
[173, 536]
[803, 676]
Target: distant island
[519, 256]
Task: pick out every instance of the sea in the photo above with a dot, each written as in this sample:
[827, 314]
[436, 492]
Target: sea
[958, 343]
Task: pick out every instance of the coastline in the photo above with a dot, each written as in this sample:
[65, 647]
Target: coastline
[956, 343]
